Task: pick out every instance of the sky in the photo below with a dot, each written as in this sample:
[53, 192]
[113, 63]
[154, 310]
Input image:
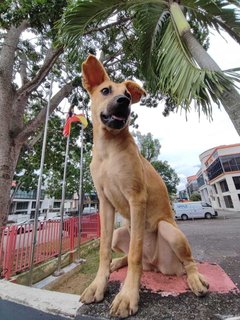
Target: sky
[182, 141]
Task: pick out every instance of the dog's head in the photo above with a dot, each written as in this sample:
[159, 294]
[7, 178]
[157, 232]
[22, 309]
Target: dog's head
[111, 101]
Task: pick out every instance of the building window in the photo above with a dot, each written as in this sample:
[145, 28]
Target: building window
[215, 169]
[236, 181]
[228, 201]
[200, 181]
[22, 205]
[56, 204]
[21, 194]
[239, 196]
[21, 212]
[215, 188]
[231, 163]
[224, 186]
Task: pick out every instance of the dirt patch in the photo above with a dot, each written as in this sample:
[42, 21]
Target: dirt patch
[75, 284]
[84, 275]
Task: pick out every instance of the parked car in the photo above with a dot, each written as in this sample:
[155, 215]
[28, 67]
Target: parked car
[25, 226]
[89, 210]
[193, 210]
[58, 218]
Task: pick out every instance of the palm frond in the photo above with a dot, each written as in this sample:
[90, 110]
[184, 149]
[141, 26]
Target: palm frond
[218, 14]
[180, 78]
[82, 14]
[149, 22]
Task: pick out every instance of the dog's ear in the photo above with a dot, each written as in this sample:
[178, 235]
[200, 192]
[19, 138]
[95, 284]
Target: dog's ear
[135, 90]
[93, 73]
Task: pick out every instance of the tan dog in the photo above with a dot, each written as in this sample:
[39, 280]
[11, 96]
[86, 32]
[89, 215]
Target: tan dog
[127, 183]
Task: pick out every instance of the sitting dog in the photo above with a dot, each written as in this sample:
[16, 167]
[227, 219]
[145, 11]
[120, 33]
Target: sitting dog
[127, 183]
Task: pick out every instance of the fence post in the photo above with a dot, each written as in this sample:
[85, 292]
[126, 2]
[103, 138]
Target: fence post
[10, 251]
[71, 233]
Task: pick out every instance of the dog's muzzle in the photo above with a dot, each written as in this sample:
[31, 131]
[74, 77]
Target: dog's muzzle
[117, 113]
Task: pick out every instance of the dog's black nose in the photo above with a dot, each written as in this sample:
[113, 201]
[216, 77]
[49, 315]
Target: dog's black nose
[123, 101]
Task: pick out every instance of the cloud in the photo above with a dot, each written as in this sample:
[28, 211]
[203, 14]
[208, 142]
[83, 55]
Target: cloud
[183, 141]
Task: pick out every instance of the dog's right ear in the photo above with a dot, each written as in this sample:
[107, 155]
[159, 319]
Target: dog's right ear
[93, 73]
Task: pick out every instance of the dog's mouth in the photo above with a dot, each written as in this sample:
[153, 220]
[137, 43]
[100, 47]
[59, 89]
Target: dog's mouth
[114, 121]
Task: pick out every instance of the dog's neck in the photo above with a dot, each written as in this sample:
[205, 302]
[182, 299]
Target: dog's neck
[105, 140]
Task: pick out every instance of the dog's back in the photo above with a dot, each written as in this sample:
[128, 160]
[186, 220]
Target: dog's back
[158, 202]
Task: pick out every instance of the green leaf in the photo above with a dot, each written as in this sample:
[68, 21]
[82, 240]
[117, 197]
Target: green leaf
[179, 77]
[217, 14]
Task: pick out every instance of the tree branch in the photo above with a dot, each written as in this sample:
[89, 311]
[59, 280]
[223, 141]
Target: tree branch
[8, 53]
[34, 124]
[23, 69]
[110, 58]
[50, 59]
[109, 25]
[30, 143]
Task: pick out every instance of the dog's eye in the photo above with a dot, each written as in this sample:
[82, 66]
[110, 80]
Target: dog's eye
[106, 91]
[128, 95]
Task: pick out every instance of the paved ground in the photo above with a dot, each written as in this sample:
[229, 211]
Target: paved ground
[212, 240]
[14, 311]
[217, 241]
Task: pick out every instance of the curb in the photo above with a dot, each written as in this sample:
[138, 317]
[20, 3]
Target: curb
[52, 302]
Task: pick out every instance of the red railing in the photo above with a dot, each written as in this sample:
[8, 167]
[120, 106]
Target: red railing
[16, 242]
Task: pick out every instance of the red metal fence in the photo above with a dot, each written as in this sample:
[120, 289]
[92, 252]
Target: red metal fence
[16, 242]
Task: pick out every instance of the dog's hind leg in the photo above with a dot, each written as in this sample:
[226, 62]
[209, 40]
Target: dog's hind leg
[120, 243]
[121, 240]
[180, 246]
[119, 263]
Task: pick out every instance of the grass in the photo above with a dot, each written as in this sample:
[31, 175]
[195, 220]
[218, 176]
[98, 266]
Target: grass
[84, 275]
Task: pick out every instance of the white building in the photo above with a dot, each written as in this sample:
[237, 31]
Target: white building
[219, 177]
[24, 203]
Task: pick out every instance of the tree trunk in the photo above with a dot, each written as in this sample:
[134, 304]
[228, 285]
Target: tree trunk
[14, 133]
[230, 99]
[8, 160]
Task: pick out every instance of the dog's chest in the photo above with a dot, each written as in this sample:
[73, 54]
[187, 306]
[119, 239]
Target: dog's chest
[109, 181]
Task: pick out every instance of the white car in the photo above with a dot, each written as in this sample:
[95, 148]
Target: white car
[58, 218]
[24, 226]
[193, 210]
[89, 210]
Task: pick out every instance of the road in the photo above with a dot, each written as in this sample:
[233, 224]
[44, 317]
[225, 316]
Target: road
[13, 311]
[216, 240]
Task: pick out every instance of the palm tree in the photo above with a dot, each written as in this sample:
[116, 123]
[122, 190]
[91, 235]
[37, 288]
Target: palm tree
[172, 60]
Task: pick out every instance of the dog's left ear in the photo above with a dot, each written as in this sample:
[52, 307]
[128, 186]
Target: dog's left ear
[135, 90]
[93, 73]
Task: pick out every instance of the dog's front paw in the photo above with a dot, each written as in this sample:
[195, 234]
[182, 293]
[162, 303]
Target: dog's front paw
[125, 304]
[94, 292]
[198, 284]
